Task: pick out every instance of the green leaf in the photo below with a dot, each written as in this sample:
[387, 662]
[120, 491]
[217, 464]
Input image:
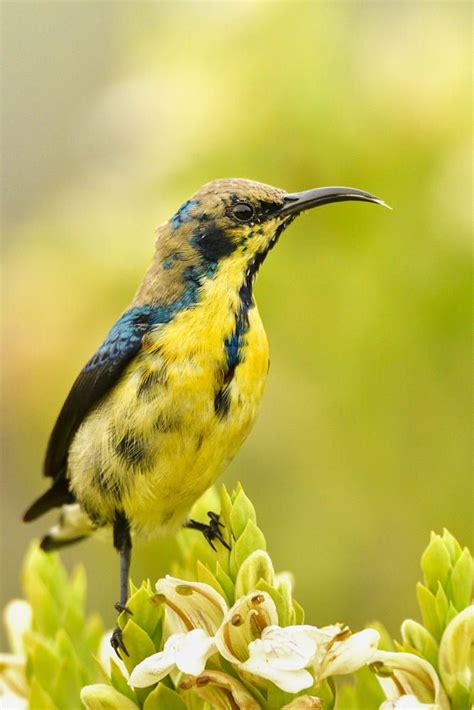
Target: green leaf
[43, 657]
[258, 566]
[104, 697]
[119, 682]
[418, 638]
[452, 545]
[226, 507]
[285, 610]
[298, 613]
[78, 587]
[250, 540]
[242, 512]
[462, 578]
[138, 644]
[206, 576]
[427, 604]
[277, 698]
[93, 632]
[263, 586]
[363, 694]
[39, 699]
[435, 563]
[327, 691]
[226, 583]
[163, 698]
[67, 682]
[144, 613]
[45, 614]
[442, 606]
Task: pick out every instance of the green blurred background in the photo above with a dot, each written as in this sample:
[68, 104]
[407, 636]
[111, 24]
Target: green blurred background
[114, 113]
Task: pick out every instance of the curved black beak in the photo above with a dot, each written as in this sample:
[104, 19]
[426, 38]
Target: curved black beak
[296, 202]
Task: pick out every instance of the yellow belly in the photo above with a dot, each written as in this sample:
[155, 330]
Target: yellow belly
[155, 443]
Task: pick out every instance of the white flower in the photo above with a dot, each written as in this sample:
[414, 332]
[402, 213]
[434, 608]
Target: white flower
[244, 623]
[281, 655]
[404, 674]
[186, 651]
[343, 652]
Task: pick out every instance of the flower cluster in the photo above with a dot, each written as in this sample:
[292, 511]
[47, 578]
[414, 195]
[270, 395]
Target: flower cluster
[434, 665]
[200, 627]
[225, 632]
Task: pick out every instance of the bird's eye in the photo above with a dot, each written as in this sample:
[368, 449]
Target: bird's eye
[243, 212]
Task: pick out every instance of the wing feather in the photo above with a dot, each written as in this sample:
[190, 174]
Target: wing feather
[98, 376]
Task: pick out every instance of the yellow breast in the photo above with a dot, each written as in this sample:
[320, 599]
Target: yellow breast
[158, 440]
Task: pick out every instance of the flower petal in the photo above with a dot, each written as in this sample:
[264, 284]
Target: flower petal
[350, 654]
[17, 618]
[193, 652]
[152, 669]
[288, 648]
[291, 681]
[191, 605]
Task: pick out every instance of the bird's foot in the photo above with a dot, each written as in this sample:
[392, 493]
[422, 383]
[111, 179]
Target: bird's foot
[116, 641]
[122, 607]
[210, 530]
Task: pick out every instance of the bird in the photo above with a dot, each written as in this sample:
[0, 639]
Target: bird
[168, 398]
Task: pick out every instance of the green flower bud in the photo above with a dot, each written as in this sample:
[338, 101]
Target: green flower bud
[258, 566]
[435, 563]
[104, 697]
[456, 658]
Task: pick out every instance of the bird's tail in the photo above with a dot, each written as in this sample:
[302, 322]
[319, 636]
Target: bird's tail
[73, 526]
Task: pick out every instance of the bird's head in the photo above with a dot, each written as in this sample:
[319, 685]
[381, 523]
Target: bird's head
[241, 220]
[229, 226]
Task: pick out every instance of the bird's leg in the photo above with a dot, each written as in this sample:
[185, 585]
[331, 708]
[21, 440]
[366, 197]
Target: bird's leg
[210, 530]
[123, 545]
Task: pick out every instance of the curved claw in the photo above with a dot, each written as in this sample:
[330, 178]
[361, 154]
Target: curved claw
[122, 607]
[214, 518]
[116, 641]
[211, 530]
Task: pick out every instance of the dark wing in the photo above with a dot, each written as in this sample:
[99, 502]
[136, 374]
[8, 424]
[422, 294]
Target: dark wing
[99, 375]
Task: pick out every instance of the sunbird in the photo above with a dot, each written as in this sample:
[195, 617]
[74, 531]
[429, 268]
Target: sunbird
[166, 401]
